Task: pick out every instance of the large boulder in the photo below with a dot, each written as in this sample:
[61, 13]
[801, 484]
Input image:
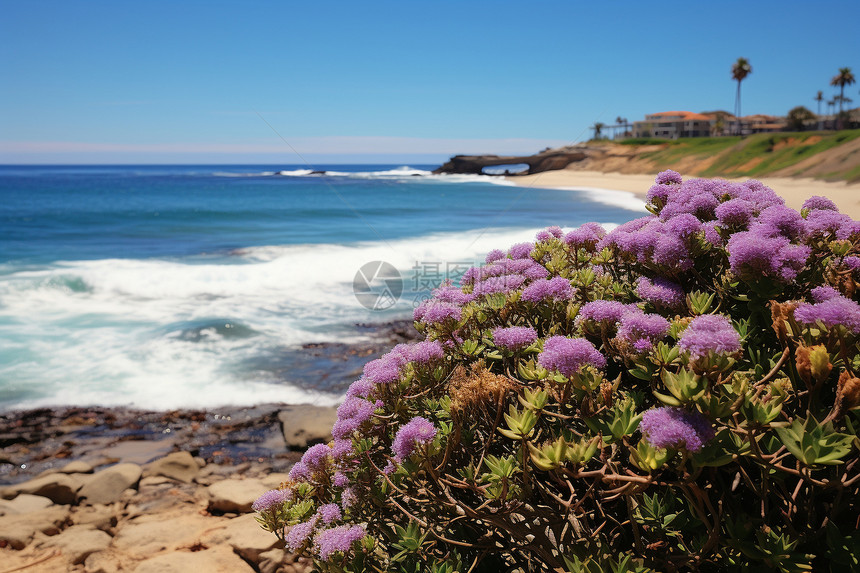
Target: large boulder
[305, 425]
[180, 466]
[107, 485]
[59, 488]
[78, 542]
[18, 530]
[213, 560]
[234, 495]
[24, 503]
[151, 534]
[245, 536]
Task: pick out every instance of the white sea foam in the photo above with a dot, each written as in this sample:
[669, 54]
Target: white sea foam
[113, 332]
[400, 173]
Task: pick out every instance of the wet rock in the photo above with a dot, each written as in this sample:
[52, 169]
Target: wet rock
[24, 503]
[18, 530]
[78, 542]
[245, 536]
[234, 495]
[107, 486]
[306, 425]
[180, 466]
[59, 488]
[213, 560]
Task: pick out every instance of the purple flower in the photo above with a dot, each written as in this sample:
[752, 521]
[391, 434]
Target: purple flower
[361, 388]
[852, 263]
[453, 295]
[587, 235]
[426, 351]
[711, 233]
[521, 251]
[543, 236]
[735, 212]
[831, 312]
[660, 292]
[609, 311]
[756, 253]
[782, 220]
[299, 472]
[676, 428]
[514, 337]
[710, 333]
[682, 226]
[568, 355]
[337, 539]
[817, 202]
[825, 223]
[389, 468]
[300, 533]
[660, 192]
[340, 479]
[536, 271]
[417, 431]
[350, 416]
[557, 288]
[498, 285]
[386, 370]
[822, 293]
[555, 232]
[329, 513]
[668, 177]
[495, 255]
[348, 498]
[434, 312]
[342, 449]
[272, 498]
[316, 457]
[637, 326]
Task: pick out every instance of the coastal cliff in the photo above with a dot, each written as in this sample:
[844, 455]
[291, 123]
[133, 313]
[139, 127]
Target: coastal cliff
[832, 156]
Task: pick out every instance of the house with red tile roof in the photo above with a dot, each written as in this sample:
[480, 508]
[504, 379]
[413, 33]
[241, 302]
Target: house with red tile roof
[673, 125]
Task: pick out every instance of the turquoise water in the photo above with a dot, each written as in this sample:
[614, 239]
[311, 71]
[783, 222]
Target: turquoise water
[177, 286]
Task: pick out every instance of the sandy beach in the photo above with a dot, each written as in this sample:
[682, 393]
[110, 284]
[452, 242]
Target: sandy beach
[794, 191]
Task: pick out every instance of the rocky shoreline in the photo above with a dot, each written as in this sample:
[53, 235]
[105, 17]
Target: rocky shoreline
[103, 490]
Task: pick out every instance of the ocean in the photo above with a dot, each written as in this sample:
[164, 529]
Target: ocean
[164, 287]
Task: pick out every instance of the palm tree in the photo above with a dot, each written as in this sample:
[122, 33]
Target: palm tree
[818, 98]
[740, 70]
[622, 124]
[598, 129]
[844, 78]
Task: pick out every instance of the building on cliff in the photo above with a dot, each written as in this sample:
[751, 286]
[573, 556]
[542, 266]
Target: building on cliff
[673, 125]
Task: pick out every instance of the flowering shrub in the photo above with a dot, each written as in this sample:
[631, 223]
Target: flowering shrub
[678, 394]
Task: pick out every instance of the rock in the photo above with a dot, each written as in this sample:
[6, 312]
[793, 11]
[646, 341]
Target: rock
[76, 467]
[544, 161]
[180, 466]
[101, 517]
[234, 495]
[245, 536]
[274, 479]
[102, 562]
[214, 560]
[306, 425]
[78, 542]
[18, 530]
[59, 488]
[24, 503]
[150, 534]
[108, 485]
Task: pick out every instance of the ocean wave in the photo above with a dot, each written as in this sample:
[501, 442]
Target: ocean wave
[158, 333]
[400, 173]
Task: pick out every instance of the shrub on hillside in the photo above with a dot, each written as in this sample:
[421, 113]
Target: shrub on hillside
[678, 394]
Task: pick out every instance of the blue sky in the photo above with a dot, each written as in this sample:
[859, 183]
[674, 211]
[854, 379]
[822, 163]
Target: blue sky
[406, 81]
